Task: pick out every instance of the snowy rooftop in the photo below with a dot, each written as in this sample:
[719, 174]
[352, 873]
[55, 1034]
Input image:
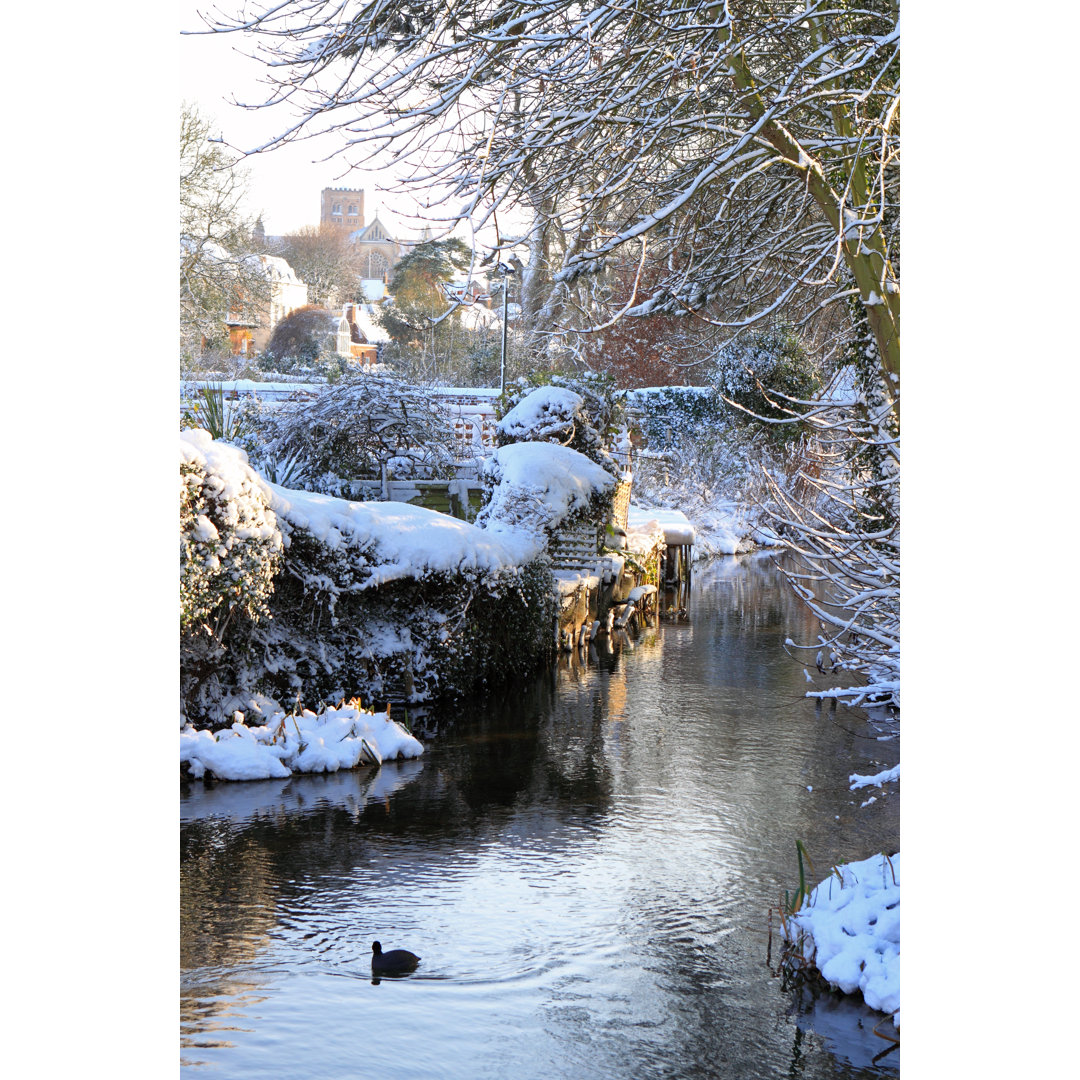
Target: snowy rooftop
[373, 332]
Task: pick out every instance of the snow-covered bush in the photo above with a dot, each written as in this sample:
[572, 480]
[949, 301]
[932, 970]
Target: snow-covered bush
[230, 543]
[233, 422]
[583, 412]
[548, 414]
[676, 416]
[766, 373]
[353, 430]
[395, 601]
[540, 487]
[230, 551]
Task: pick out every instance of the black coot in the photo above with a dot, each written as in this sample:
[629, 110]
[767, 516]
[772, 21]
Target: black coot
[397, 961]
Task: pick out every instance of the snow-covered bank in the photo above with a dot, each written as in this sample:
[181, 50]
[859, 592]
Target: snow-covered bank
[399, 540]
[849, 929]
[311, 742]
[719, 527]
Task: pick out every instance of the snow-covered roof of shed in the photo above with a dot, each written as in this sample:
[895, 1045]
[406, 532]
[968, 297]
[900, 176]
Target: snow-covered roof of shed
[674, 523]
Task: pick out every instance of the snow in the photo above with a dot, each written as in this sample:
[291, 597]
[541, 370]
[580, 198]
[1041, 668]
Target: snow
[545, 406]
[851, 923]
[308, 743]
[675, 524]
[552, 482]
[878, 780]
[406, 541]
[643, 533]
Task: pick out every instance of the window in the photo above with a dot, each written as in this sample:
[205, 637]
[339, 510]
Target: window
[336, 209]
[353, 209]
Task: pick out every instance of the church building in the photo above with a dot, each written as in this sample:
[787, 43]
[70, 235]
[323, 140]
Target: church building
[380, 252]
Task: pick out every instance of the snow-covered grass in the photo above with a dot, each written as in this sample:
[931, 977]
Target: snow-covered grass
[849, 929]
[309, 742]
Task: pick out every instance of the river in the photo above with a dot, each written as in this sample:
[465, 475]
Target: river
[586, 868]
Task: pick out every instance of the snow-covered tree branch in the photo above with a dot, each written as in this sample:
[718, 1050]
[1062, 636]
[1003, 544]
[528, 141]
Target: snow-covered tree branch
[219, 273]
[755, 143]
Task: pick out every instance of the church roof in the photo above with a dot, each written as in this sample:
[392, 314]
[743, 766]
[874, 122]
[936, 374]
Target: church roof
[373, 233]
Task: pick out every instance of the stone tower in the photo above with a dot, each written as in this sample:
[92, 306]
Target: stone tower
[342, 206]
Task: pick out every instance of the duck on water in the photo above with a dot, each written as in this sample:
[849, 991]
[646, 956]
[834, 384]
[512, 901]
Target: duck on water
[394, 962]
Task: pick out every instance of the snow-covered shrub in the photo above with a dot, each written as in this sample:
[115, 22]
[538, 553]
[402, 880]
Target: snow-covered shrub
[353, 430]
[228, 421]
[389, 600]
[230, 543]
[766, 373]
[230, 550]
[541, 487]
[676, 416]
[304, 343]
[548, 414]
[583, 412]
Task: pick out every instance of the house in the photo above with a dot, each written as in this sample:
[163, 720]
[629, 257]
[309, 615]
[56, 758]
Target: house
[250, 330]
[359, 335]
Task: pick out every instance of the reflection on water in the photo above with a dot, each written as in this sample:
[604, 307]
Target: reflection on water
[586, 869]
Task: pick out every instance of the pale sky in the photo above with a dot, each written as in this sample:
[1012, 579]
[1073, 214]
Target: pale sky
[285, 183]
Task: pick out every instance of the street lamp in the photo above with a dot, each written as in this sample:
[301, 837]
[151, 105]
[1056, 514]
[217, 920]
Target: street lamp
[506, 270]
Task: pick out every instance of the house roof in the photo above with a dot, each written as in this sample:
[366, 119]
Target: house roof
[364, 314]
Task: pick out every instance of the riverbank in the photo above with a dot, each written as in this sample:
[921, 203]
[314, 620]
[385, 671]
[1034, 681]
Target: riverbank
[306, 742]
[849, 931]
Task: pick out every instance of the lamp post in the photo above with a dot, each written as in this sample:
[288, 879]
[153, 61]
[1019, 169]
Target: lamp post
[506, 270]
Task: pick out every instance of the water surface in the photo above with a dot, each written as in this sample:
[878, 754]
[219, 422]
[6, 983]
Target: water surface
[586, 868]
